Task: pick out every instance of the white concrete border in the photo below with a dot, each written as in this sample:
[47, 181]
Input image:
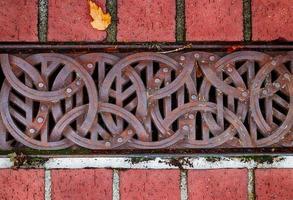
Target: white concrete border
[158, 163]
[116, 185]
[48, 185]
[251, 184]
[183, 185]
[5, 163]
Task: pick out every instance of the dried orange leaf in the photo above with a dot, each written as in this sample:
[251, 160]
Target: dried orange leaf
[101, 20]
[234, 48]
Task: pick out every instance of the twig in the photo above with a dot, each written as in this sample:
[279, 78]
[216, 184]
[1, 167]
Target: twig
[176, 50]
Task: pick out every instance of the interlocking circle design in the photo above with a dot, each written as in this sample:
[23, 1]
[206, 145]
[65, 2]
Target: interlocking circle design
[146, 100]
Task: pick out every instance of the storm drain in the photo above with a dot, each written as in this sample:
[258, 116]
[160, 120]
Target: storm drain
[147, 100]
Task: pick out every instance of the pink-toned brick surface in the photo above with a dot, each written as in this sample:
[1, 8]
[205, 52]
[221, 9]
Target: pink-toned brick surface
[18, 20]
[272, 20]
[274, 184]
[21, 184]
[82, 184]
[150, 184]
[69, 20]
[219, 20]
[146, 20]
[220, 184]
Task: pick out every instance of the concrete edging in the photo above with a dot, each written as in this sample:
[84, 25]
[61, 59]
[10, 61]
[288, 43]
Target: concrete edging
[160, 162]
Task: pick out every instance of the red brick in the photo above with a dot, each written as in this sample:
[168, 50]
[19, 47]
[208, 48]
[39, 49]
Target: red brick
[219, 20]
[220, 184]
[69, 20]
[79, 184]
[274, 184]
[18, 20]
[150, 184]
[272, 19]
[21, 184]
[146, 20]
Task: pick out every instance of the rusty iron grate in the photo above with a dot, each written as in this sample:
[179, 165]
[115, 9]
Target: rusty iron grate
[147, 100]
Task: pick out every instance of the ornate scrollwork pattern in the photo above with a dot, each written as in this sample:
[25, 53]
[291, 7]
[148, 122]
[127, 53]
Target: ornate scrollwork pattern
[146, 100]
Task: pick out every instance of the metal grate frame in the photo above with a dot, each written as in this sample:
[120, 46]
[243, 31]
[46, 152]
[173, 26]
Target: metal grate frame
[147, 100]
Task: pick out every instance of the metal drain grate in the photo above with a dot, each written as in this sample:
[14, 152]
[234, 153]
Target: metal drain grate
[147, 100]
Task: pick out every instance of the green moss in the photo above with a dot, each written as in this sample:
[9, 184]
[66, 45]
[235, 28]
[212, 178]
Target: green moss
[247, 24]
[212, 159]
[265, 159]
[22, 160]
[43, 20]
[178, 162]
[112, 29]
[136, 160]
[180, 21]
[29, 151]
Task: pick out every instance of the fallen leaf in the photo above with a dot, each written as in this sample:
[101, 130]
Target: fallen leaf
[101, 20]
[234, 48]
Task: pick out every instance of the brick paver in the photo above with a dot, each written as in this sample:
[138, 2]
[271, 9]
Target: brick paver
[146, 20]
[272, 20]
[274, 184]
[150, 184]
[21, 184]
[69, 20]
[220, 184]
[82, 184]
[19, 20]
[214, 20]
